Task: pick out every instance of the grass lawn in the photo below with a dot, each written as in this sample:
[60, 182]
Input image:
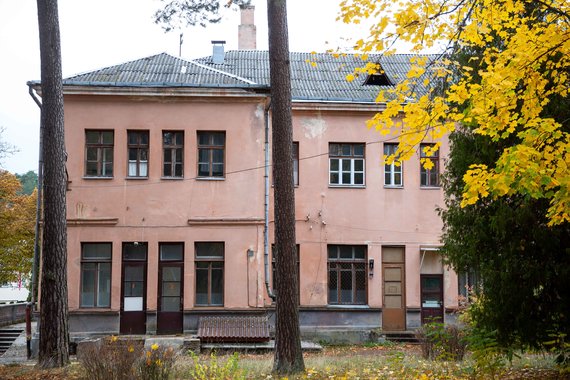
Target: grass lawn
[390, 361]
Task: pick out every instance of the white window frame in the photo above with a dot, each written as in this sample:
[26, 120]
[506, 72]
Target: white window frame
[393, 169]
[352, 159]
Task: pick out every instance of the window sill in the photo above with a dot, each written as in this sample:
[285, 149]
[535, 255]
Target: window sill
[430, 187]
[92, 309]
[334, 306]
[89, 178]
[212, 307]
[136, 178]
[347, 186]
[393, 186]
[172, 178]
[210, 178]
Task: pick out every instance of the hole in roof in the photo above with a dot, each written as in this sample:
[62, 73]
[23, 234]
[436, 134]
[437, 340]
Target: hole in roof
[377, 79]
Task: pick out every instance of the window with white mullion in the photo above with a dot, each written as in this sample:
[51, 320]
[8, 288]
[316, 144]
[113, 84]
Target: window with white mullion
[346, 164]
[138, 147]
[99, 153]
[393, 175]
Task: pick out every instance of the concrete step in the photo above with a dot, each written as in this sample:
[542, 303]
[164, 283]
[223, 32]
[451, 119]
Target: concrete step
[7, 337]
[401, 336]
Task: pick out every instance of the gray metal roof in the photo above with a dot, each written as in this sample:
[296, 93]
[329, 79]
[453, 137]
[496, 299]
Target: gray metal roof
[250, 69]
[326, 81]
[161, 70]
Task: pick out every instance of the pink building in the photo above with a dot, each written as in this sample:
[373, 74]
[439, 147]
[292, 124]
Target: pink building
[170, 214]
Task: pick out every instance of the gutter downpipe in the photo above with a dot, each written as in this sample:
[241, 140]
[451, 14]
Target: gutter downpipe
[266, 207]
[35, 264]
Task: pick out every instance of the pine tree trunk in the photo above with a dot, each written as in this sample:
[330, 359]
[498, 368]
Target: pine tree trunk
[54, 334]
[288, 356]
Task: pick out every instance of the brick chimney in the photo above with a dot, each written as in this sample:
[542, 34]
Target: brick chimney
[247, 30]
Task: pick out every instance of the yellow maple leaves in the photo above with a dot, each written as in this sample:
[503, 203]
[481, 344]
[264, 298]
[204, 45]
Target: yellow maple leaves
[523, 66]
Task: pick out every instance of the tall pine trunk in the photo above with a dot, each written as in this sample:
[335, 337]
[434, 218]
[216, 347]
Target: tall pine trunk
[54, 334]
[288, 356]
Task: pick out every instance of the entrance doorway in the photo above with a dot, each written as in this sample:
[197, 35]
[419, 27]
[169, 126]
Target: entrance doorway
[393, 289]
[170, 292]
[432, 297]
[133, 291]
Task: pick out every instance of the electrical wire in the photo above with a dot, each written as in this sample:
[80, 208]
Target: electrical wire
[134, 182]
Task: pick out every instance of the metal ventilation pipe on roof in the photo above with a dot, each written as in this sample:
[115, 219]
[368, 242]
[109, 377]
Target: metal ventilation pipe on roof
[218, 52]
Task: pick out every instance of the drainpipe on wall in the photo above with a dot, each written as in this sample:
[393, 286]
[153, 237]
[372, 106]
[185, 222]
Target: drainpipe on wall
[36, 262]
[266, 207]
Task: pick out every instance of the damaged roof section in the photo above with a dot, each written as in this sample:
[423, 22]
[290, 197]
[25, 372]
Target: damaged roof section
[322, 76]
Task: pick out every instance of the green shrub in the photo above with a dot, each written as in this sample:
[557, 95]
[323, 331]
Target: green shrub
[213, 369]
[559, 346]
[488, 355]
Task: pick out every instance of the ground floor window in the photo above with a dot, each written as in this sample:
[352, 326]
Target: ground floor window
[468, 282]
[209, 258]
[347, 274]
[95, 275]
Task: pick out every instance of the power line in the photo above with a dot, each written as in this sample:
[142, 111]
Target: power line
[146, 182]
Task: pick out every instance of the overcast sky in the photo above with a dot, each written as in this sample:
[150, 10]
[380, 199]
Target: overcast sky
[101, 33]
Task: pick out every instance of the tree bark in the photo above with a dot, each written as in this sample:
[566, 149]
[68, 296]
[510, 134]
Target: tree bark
[54, 334]
[288, 357]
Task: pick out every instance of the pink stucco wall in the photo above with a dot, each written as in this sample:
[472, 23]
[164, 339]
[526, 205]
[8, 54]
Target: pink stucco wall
[157, 210]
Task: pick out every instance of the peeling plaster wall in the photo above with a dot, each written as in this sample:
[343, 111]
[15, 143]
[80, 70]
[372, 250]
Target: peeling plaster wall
[158, 210]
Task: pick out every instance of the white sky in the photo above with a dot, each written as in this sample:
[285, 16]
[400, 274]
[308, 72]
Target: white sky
[101, 33]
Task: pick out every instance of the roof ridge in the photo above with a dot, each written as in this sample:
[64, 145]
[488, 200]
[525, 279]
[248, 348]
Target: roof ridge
[223, 72]
[325, 52]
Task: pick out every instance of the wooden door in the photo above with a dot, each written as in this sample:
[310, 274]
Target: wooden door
[432, 297]
[393, 289]
[133, 290]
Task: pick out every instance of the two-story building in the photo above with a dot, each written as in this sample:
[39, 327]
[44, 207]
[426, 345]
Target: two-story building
[170, 201]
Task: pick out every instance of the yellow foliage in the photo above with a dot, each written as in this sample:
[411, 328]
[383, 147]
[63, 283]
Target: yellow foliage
[17, 224]
[504, 99]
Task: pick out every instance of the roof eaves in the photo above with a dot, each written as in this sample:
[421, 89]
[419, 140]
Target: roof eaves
[333, 100]
[160, 84]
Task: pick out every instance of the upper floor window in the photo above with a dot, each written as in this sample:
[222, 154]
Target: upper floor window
[429, 177]
[211, 147]
[99, 153]
[173, 154]
[346, 164]
[347, 274]
[138, 153]
[392, 172]
[209, 273]
[95, 275]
